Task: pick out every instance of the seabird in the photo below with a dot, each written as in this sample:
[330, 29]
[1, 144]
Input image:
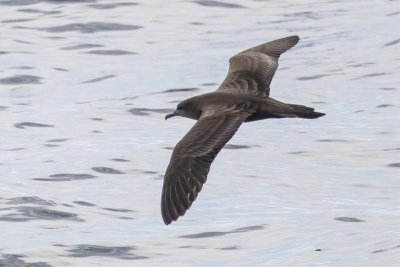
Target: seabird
[242, 97]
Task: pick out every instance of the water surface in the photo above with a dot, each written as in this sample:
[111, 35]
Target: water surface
[85, 86]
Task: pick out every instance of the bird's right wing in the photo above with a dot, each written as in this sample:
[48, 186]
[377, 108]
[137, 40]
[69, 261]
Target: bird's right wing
[251, 71]
[191, 160]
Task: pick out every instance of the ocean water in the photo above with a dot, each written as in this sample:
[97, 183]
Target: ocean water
[85, 86]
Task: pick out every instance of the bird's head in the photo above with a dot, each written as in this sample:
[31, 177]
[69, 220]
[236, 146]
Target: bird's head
[186, 108]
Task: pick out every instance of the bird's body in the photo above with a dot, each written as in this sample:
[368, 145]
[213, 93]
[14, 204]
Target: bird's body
[242, 97]
[258, 108]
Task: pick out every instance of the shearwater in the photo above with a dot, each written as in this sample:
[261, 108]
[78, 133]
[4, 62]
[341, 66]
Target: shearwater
[242, 97]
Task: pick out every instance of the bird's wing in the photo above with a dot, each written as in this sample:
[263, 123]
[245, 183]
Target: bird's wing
[251, 71]
[191, 160]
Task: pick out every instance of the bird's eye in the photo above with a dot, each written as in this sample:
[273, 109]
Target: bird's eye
[179, 108]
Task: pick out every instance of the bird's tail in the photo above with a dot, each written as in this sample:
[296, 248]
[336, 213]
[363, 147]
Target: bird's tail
[305, 112]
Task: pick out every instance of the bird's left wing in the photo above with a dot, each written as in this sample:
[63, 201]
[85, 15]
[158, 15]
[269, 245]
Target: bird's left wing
[251, 71]
[191, 160]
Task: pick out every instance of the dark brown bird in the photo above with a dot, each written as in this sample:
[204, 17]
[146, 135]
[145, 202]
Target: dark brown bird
[242, 97]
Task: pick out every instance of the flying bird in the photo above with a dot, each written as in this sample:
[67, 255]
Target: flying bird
[242, 97]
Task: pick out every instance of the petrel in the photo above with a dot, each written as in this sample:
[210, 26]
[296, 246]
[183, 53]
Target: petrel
[242, 97]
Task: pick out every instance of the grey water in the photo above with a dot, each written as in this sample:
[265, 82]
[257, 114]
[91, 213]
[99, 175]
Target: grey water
[85, 86]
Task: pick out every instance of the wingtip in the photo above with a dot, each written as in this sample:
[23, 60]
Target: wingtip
[315, 115]
[166, 212]
[167, 222]
[276, 47]
[294, 38]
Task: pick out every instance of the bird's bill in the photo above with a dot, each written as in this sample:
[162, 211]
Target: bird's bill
[173, 114]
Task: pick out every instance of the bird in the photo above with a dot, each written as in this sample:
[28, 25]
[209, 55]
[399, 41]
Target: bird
[242, 97]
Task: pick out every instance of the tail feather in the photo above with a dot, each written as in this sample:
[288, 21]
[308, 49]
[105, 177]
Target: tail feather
[305, 112]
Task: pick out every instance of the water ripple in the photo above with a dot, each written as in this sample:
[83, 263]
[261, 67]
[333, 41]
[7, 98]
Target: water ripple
[62, 177]
[348, 219]
[84, 250]
[112, 52]
[21, 79]
[113, 5]
[106, 170]
[13, 260]
[100, 79]
[214, 234]
[91, 27]
[81, 46]
[22, 125]
[26, 213]
[211, 3]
